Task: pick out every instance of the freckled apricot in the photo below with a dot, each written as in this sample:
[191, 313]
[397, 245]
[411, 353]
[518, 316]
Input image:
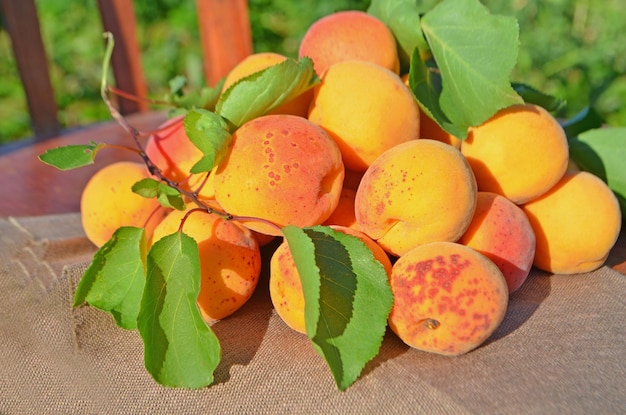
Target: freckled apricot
[417, 192]
[282, 169]
[448, 298]
[230, 260]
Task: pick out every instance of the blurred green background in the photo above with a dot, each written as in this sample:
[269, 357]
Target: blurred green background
[573, 49]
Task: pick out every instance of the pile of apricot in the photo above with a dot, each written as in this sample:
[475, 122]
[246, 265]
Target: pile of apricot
[457, 224]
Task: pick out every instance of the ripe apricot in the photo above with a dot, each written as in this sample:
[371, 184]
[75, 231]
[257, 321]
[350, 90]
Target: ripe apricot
[576, 223]
[343, 215]
[107, 202]
[448, 298]
[366, 109]
[263, 60]
[170, 149]
[417, 192]
[501, 231]
[520, 153]
[230, 260]
[282, 169]
[347, 35]
[285, 285]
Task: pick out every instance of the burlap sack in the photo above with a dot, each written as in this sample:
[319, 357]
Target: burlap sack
[560, 350]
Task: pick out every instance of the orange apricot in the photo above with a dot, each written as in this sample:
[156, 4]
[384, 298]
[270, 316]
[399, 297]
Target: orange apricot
[282, 169]
[108, 202]
[348, 35]
[366, 109]
[448, 298]
[520, 153]
[417, 192]
[576, 223]
[230, 260]
[501, 231]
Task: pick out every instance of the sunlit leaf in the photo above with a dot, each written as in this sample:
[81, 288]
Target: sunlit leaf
[210, 133]
[115, 278]
[261, 92]
[475, 52]
[71, 156]
[347, 298]
[180, 349]
[167, 196]
[402, 17]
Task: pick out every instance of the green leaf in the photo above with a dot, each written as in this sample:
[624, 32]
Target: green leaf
[402, 17]
[531, 95]
[203, 98]
[210, 134]
[180, 349]
[347, 298]
[261, 92]
[72, 156]
[475, 52]
[425, 82]
[115, 278]
[167, 196]
[586, 119]
[602, 152]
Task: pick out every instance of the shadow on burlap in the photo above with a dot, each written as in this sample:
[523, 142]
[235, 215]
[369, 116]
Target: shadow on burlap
[560, 349]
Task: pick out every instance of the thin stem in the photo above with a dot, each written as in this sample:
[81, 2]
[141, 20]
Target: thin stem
[135, 98]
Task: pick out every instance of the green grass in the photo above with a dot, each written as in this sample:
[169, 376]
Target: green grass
[571, 49]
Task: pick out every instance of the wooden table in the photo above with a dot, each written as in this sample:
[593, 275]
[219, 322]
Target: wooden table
[32, 188]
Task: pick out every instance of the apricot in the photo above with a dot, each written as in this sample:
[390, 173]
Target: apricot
[417, 192]
[108, 202]
[286, 288]
[448, 298]
[263, 60]
[230, 260]
[576, 223]
[501, 231]
[281, 169]
[520, 153]
[170, 149]
[347, 35]
[366, 109]
[343, 215]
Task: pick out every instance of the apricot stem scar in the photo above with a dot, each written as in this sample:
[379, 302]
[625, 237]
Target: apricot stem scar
[431, 323]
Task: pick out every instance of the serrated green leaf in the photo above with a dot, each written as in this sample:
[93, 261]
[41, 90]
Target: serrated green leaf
[602, 152]
[147, 187]
[71, 157]
[205, 97]
[402, 17]
[115, 278]
[210, 134]
[261, 92]
[531, 95]
[180, 349]
[475, 52]
[347, 298]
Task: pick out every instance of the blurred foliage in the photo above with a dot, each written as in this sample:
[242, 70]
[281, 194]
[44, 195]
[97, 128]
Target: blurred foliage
[568, 48]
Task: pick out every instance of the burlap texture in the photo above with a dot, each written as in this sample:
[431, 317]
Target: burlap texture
[559, 350]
